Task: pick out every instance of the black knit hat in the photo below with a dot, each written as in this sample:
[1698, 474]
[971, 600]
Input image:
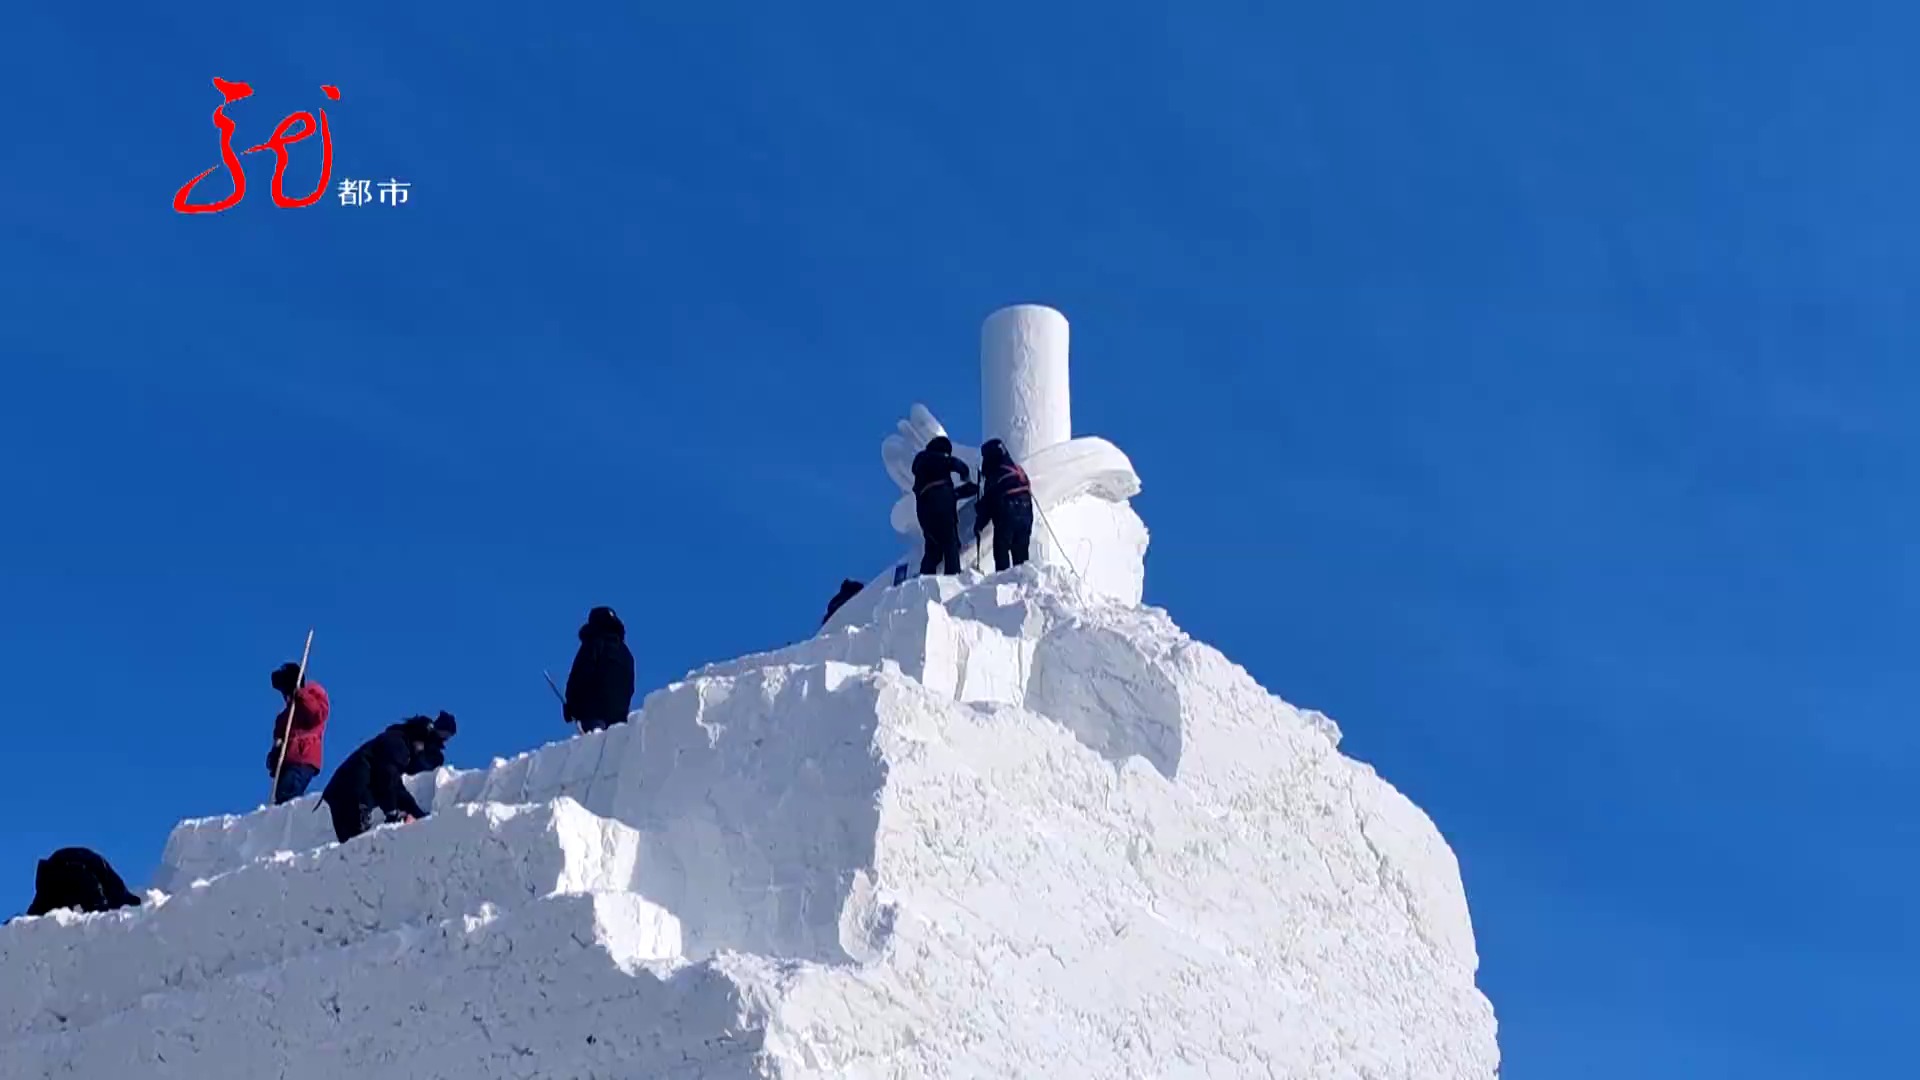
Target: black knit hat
[940, 444]
[286, 678]
[445, 725]
[602, 622]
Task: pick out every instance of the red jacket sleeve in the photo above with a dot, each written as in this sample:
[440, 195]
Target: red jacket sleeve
[312, 710]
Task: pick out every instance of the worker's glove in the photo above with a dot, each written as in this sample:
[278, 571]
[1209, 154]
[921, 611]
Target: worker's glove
[273, 759]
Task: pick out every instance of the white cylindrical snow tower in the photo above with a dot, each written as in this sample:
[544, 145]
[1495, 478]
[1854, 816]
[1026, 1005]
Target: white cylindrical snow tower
[1023, 379]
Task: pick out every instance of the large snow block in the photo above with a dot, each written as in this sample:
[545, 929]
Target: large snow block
[554, 988]
[1073, 915]
[67, 969]
[1000, 826]
[757, 799]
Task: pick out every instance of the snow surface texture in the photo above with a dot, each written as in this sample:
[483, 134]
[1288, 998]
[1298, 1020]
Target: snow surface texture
[996, 827]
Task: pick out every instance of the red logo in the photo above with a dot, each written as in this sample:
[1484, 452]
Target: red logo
[283, 136]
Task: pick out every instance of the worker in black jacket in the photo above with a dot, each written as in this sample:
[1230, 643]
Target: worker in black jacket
[600, 686]
[372, 780]
[80, 879]
[937, 504]
[849, 589]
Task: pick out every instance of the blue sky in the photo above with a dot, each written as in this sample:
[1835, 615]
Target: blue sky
[1527, 386]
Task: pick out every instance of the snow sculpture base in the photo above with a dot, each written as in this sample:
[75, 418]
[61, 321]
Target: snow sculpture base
[998, 827]
[1104, 543]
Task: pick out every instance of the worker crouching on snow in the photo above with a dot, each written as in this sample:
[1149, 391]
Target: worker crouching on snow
[80, 879]
[369, 788]
[1006, 503]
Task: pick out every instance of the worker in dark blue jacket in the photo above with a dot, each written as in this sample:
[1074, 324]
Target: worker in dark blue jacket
[371, 783]
[1006, 503]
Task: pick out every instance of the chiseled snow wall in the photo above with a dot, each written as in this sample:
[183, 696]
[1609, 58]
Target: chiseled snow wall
[584, 769]
[1001, 827]
[87, 968]
[489, 941]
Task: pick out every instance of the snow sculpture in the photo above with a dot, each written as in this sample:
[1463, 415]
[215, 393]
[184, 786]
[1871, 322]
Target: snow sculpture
[1002, 828]
[982, 826]
[1081, 486]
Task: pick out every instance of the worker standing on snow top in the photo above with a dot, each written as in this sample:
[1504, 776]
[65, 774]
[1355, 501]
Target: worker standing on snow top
[1006, 503]
[937, 503]
[305, 706]
[373, 778]
[600, 686]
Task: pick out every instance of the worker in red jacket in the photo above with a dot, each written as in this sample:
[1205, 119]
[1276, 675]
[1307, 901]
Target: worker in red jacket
[307, 703]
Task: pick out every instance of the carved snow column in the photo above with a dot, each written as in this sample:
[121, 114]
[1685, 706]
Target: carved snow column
[1024, 400]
